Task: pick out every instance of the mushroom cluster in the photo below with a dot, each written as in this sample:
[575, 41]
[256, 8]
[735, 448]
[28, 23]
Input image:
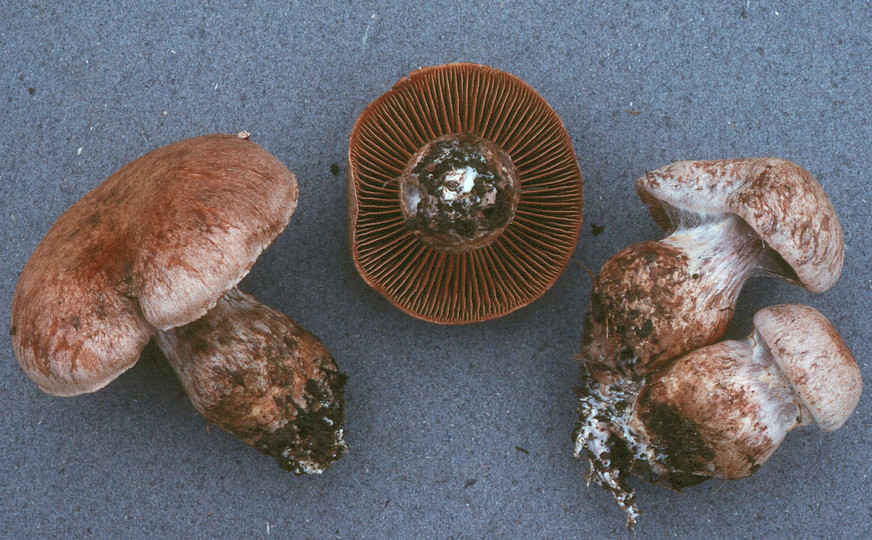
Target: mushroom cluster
[156, 251]
[658, 398]
[464, 194]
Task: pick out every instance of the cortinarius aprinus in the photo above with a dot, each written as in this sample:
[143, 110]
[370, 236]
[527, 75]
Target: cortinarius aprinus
[721, 411]
[157, 250]
[655, 301]
[464, 194]
[726, 221]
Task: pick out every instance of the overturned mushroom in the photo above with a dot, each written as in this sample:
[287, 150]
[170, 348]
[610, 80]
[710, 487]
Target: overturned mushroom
[464, 194]
[726, 221]
[721, 411]
[157, 250]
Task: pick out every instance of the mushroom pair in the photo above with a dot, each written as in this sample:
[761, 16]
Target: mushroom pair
[722, 410]
[156, 251]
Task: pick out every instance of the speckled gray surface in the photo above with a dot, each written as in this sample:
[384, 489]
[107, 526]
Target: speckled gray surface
[454, 431]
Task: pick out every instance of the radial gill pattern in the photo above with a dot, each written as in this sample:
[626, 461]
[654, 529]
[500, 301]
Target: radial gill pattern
[527, 258]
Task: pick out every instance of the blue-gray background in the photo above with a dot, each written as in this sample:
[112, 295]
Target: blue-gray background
[437, 416]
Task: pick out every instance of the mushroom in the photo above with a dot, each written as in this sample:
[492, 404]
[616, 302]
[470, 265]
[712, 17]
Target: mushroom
[726, 221]
[465, 197]
[157, 250]
[721, 411]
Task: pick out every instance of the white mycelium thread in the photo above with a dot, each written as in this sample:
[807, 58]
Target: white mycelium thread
[604, 415]
[458, 182]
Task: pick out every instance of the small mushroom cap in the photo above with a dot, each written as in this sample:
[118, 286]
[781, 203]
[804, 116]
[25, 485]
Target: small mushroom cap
[779, 199]
[815, 360]
[155, 245]
[532, 251]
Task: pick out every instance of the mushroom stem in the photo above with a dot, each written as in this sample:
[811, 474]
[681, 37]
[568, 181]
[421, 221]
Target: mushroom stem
[459, 192]
[722, 253]
[656, 300]
[257, 374]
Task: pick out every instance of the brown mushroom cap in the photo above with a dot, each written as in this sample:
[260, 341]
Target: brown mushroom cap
[155, 245]
[779, 199]
[815, 360]
[530, 254]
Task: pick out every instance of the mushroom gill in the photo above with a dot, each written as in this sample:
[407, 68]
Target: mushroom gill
[520, 256]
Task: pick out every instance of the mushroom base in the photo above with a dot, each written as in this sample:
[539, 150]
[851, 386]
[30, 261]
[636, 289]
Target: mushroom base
[257, 374]
[603, 411]
[615, 450]
[311, 442]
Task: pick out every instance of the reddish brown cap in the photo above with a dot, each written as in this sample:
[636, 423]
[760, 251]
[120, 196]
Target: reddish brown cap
[779, 199]
[155, 245]
[815, 360]
[521, 263]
